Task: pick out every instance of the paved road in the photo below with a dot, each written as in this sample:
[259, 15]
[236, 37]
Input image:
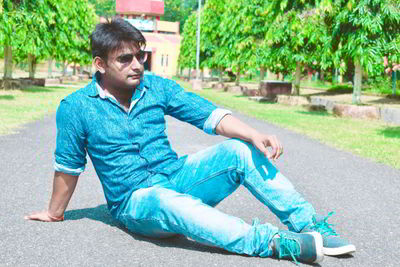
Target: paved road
[364, 194]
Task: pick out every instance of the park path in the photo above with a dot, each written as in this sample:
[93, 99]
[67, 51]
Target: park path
[364, 194]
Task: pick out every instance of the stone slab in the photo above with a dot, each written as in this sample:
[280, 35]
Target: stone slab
[235, 89]
[20, 83]
[390, 115]
[360, 112]
[319, 101]
[292, 100]
[271, 88]
[251, 92]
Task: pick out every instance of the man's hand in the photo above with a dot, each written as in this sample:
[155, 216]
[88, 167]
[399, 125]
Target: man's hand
[43, 216]
[262, 142]
[231, 127]
[63, 188]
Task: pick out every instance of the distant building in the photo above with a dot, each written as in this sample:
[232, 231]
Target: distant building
[163, 38]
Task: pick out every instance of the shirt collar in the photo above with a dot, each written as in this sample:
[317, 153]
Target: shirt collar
[96, 90]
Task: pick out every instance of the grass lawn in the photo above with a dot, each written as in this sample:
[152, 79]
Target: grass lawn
[371, 139]
[18, 107]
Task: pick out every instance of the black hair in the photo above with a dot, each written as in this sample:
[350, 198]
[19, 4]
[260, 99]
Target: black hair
[111, 35]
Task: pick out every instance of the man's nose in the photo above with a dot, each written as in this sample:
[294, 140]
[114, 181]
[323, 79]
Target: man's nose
[135, 63]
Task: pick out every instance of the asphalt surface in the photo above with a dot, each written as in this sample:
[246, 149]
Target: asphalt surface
[364, 194]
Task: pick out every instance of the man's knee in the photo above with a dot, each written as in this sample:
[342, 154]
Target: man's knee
[238, 147]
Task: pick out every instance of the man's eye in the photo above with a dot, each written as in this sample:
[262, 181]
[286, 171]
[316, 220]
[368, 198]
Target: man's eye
[140, 56]
[125, 59]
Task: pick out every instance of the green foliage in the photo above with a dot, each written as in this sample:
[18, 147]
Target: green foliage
[12, 24]
[73, 30]
[296, 35]
[243, 26]
[179, 10]
[363, 30]
[104, 8]
[187, 55]
[319, 34]
[48, 28]
[210, 41]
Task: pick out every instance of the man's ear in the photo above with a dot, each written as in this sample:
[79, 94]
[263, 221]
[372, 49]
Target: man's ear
[100, 64]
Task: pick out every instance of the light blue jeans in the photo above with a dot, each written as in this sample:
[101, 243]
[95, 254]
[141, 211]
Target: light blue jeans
[184, 203]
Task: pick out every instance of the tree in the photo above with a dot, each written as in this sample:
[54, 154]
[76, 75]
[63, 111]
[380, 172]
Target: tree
[187, 53]
[243, 27]
[46, 28]
[81, 23]
[36, 43]
[11, 31]
[211, 36]
[179, 10]
[294, 39]
[104, 8]
[364, 32]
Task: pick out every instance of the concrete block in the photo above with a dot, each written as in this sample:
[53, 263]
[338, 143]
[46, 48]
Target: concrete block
[360, 112]
[390, 115]
[292, 100]
[271, 88]
[319, 101]
[235, 89]
[251, 92]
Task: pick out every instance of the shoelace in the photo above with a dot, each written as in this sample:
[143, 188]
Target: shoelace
[323, 227]
[288, 247]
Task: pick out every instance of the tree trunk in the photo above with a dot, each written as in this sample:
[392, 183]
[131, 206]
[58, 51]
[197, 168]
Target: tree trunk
[64, 68]
[31, 66]
[202, 75]
[50, 68]
[8, 62]
[74, 70]
[190, 74]
[336, 75]
[357, 83]
[297, 80]
[237, 82]
[262, 73]
[221, 73]
[322, 77]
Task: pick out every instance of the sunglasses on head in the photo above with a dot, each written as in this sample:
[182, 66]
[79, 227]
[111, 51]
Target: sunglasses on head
[141, 57]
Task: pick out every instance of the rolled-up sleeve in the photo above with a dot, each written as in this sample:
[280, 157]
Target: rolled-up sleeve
[70, 154]
[213, 120]
[187, 106]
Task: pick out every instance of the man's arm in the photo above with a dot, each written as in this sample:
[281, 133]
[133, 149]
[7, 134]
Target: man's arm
[232, 127]
[63, 188]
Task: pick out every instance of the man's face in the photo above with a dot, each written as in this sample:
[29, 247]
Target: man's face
[124, 67]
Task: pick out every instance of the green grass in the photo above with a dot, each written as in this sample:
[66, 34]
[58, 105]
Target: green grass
[18, 107]
[371, 139]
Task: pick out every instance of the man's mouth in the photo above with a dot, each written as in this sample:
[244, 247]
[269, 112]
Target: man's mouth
[136, 76]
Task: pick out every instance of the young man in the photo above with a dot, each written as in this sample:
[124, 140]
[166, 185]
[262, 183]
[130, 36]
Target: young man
[118, 119]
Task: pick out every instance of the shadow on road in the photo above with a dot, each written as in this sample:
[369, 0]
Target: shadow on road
[101, 213]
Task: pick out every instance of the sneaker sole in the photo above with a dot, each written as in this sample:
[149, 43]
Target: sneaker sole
[339, 251]
[318, 245]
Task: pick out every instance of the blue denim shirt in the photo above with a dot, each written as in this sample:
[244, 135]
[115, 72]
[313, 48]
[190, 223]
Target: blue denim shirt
[126, 147]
